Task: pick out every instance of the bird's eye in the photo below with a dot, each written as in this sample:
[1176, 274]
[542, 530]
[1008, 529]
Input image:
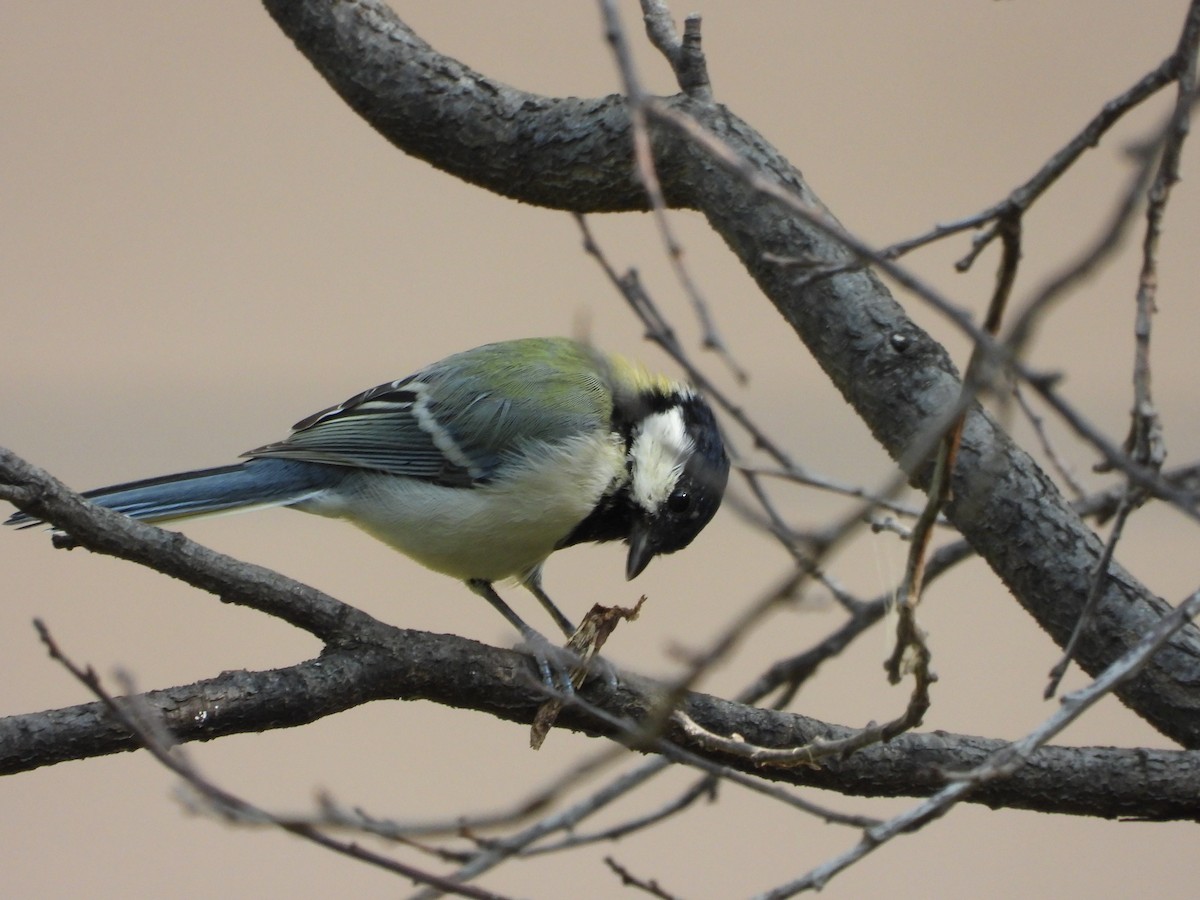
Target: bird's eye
[679, 502]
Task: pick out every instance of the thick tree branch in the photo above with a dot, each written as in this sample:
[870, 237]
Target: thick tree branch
[408, 665]
[234, 581]
[576, 155]
[367, 660]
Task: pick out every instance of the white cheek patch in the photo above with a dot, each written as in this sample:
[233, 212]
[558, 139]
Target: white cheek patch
[657, 456]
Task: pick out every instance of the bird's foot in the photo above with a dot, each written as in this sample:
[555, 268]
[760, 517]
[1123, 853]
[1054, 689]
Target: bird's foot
[556, 665]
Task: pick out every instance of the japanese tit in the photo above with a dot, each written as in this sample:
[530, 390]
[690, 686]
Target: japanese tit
[482, 465]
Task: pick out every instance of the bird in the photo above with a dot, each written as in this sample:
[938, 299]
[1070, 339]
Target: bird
[482, 465]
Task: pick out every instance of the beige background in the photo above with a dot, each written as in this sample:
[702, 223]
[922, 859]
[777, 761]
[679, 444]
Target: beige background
[201, 244]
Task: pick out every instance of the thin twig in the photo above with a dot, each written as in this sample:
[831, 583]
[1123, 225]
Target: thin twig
[686, 56]
[643, 155]
[704, 787]
[1098, 581]
[156, 741]
[650, 887]
[1024, 196]
[1145, 444]
[1056, 459]
[1001, 763]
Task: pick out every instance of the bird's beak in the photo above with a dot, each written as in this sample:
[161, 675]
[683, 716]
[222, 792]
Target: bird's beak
[641, 550]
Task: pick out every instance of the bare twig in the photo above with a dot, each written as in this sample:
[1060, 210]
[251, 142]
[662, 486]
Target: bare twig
[1000, 764]
[1024, 196]
[1056, 459]
[644, 160]
[686, 56]
[704, 787]
[536, 803]
[650, 887]
[805, 476]
[157, 742]
[1145, 444]
[1099, 580]
[1103, 504]
[1024, 325]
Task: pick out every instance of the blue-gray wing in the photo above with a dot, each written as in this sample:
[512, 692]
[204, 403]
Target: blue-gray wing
[456, 421]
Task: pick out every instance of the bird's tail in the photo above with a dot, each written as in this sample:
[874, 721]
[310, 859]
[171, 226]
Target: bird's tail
[205, 492]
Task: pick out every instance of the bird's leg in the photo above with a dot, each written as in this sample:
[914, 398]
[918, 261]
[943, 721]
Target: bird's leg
[554, 669]
[533, 581]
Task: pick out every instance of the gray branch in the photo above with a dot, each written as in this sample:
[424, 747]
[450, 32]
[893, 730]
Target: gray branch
[408, 665]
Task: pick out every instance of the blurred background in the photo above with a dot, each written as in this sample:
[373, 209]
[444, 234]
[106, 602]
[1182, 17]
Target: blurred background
[202, 244]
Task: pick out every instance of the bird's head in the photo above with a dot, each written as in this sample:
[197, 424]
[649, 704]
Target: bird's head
[678, 469]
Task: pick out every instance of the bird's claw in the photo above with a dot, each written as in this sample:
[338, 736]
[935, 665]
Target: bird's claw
[555, 664]
[562, 669]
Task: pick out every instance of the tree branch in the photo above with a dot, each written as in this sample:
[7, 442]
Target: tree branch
[409, 665]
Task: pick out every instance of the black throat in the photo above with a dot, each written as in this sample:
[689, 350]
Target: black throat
[611, 520]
